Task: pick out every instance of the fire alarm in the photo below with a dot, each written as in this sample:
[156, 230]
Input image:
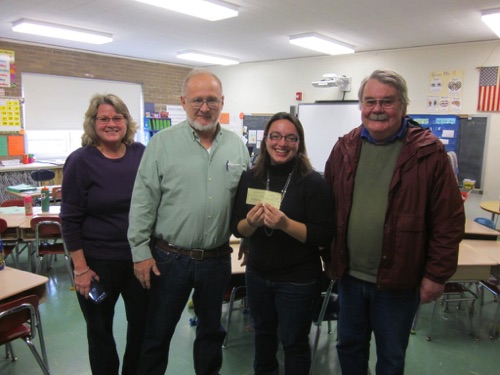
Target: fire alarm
[298, 96]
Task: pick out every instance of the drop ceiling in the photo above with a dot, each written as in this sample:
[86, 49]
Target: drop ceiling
[260, 32]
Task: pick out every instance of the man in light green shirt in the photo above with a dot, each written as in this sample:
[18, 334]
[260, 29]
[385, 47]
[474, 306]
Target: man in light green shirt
[179, 224]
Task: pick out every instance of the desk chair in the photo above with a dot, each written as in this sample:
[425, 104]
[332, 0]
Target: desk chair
[455, 292]
[48, 242]
[326, 309]
[10, 242]
[56, 195]
[19, 319]
[11, 237]
[12, 203]
[43, 175]
[236, 291]
[495, 290]
[486, 222]
[40, 176]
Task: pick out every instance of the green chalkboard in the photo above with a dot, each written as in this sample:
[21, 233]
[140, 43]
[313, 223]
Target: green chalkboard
[470, 153]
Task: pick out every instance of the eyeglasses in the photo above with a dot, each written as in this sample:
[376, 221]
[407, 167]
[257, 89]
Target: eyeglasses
[105, 120]
[387, 103]
[290, 138]
[212, 103]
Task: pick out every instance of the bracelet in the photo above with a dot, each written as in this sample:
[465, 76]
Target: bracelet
[249, 223]
[83, 272]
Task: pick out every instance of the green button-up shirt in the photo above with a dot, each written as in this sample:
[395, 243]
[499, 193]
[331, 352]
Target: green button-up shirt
[183, 194]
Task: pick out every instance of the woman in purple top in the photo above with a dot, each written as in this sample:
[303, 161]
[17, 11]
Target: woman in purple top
[98, 180]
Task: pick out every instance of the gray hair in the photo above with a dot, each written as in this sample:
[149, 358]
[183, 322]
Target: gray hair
[195, 72]
[388, 77]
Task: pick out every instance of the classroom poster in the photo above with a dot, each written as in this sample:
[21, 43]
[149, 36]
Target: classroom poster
[10, 115]
[7, 69]
[445, 92]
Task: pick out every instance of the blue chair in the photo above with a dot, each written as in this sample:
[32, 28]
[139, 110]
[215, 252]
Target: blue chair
[486, 222]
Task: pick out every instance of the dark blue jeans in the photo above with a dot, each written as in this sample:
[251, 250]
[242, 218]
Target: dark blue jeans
[117, 277]
[281, 310]
[169, 294]
[387, 313]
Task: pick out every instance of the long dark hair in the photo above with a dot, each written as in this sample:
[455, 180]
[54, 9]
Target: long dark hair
[303, 167]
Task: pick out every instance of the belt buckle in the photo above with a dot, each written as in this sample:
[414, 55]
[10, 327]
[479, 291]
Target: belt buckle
[200, 252]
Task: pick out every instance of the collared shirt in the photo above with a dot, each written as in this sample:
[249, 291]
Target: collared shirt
[401, 132]
[183, 194]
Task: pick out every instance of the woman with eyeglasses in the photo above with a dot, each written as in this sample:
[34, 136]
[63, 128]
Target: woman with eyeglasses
[286, 210]
[98, 180]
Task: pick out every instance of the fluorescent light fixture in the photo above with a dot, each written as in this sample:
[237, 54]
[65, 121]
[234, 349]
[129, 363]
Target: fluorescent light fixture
[321, 43]
[53, 30]
[206, 58]
[492, 19]
[211, 10]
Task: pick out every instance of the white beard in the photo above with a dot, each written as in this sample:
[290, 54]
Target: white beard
[202, 128]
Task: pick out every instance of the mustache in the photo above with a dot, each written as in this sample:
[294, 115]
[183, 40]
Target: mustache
[378, 117]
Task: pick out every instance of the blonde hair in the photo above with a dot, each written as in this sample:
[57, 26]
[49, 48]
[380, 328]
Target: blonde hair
[89, 137]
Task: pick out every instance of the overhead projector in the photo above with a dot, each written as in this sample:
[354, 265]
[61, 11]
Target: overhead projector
[333, 80]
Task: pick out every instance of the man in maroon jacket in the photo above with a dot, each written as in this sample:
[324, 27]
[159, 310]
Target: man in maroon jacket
[400, 219]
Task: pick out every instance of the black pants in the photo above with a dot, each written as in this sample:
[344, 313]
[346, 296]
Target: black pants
[117, 277]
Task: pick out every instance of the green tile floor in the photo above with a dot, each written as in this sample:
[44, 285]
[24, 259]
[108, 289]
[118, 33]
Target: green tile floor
[451, 351]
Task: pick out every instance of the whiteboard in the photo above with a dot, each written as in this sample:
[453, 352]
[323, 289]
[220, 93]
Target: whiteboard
[54, 109]
[323, 124]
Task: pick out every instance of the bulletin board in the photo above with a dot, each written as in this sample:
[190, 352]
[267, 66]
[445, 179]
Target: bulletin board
[254, 126]
[11, 127]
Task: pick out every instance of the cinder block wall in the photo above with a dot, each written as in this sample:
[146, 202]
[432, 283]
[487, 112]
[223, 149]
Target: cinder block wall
[161, 82]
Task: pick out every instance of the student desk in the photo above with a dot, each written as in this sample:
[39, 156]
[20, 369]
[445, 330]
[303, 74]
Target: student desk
[477, 231]
[21, 174]
[491, 206]
[473, 264]
[15, 217]
[35, 193]
[19, 225]
[490, 249]
[15, 283]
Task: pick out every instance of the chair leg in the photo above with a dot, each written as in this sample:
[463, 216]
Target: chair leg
[41, 339]
[229, 313]
[413, 330]
[38, 268]
[67, 261]
[9, 352]
[429, 336]
[315, 346]
[39, 359]
[494, 330]
[462, 296]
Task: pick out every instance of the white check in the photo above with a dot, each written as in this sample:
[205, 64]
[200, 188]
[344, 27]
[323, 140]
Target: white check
[265, 196]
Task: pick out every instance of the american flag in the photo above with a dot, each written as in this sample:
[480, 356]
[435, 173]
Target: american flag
[489, 92]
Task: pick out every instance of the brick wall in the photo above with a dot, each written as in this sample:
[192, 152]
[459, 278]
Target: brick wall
[161, 82]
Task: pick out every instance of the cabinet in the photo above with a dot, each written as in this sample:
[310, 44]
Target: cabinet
[153, 124]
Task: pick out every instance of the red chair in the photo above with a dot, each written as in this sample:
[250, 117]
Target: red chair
[12, 203]
[10, 242]
[48, 242]
[19, 319]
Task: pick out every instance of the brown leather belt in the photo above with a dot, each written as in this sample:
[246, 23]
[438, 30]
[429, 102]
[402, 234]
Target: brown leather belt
[196, 254]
